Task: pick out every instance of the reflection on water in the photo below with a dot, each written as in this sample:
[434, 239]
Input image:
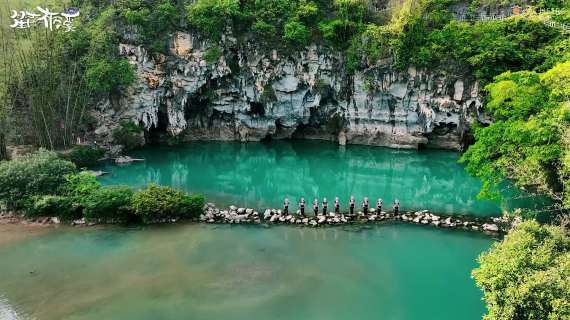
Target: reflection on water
[7, 312]
[209, 272]
[261, 175]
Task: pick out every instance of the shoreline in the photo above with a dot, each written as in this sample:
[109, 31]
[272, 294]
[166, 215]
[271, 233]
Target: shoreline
[249, 216]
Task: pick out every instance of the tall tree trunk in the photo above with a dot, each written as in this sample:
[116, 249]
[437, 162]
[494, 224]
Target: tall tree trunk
[3, 151]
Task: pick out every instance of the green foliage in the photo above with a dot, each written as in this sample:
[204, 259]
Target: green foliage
[212, 16]
[81, 184]
[129, 134]
[155, 204]
[296, 32]
[516, 95]
[527, 141]
[110, 204]
[527, 275]
[84, 156]
[558, 80]
[104, 76]
[488, 48]
[52, 206]
[155, 20]
[39, 173]
[212, 54]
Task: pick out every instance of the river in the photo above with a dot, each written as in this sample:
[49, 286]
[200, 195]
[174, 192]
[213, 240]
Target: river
[198, 271]
[209, 272]
[261, 175]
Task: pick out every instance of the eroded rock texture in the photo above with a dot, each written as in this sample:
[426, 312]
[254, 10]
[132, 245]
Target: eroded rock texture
[248, 94]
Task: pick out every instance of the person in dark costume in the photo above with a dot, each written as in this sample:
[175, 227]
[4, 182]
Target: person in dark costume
[379, 205]
[336, 205]
[396, 206]
[302, 206]
[365, 205]
[286, 206]
[351, 205]
[316, 206]
[325, 206]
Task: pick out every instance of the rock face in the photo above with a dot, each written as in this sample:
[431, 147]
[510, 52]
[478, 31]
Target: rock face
[249, 94]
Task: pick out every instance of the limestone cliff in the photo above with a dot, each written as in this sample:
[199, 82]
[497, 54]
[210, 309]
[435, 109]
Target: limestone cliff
[250, 94]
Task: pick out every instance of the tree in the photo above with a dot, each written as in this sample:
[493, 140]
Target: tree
[529, 141]
[213, 16]
[527, 275]
[296, 32]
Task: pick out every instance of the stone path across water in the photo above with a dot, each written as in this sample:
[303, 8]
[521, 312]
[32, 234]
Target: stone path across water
[235, 215]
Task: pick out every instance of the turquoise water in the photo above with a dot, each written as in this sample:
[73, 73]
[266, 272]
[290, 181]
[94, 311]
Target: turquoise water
[221, 272]
[260, 175]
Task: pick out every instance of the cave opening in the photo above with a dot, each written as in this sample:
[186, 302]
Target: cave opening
[159, 131]
[256, 108]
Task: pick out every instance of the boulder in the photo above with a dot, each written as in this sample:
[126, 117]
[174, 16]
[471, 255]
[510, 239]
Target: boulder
[490, 227]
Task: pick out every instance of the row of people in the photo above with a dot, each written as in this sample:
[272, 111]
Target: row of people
[352, 202]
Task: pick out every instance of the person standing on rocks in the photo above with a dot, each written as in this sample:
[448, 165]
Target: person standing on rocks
[325, 206]
[351, 202]
[396, 206]
[286, 206]
[379, 205]
[365, 205]
[336, 205]
[316, 206]
[302, 206]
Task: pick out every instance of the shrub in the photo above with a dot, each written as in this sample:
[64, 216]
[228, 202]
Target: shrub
[129, 134]
[212, 16]
[212, 54]
[81, 184]
[52, 206]
[527, 275]
[296, 32]
[106, 75]
[109, 204]
[39, 173]
[156, 203]
[84, 156]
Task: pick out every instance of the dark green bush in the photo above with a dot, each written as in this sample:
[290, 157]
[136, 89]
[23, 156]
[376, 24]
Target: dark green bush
[156, 204]
[129, 134]
[36, 174]
[109, 204]
[84, 156]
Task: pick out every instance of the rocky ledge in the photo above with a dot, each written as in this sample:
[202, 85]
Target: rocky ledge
[235, 215]
[251, 94]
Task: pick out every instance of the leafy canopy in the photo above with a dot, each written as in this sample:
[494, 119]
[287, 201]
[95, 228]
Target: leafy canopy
[527, 275]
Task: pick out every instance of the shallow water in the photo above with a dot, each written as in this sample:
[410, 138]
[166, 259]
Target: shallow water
[222, 272]
[260, 175]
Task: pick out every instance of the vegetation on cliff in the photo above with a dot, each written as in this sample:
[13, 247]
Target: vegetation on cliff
[528, 141]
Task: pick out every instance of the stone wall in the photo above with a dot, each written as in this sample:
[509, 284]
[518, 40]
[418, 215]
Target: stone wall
[250, 94]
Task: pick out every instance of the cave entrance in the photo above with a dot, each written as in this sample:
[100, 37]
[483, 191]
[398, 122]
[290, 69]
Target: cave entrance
[159, 132]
